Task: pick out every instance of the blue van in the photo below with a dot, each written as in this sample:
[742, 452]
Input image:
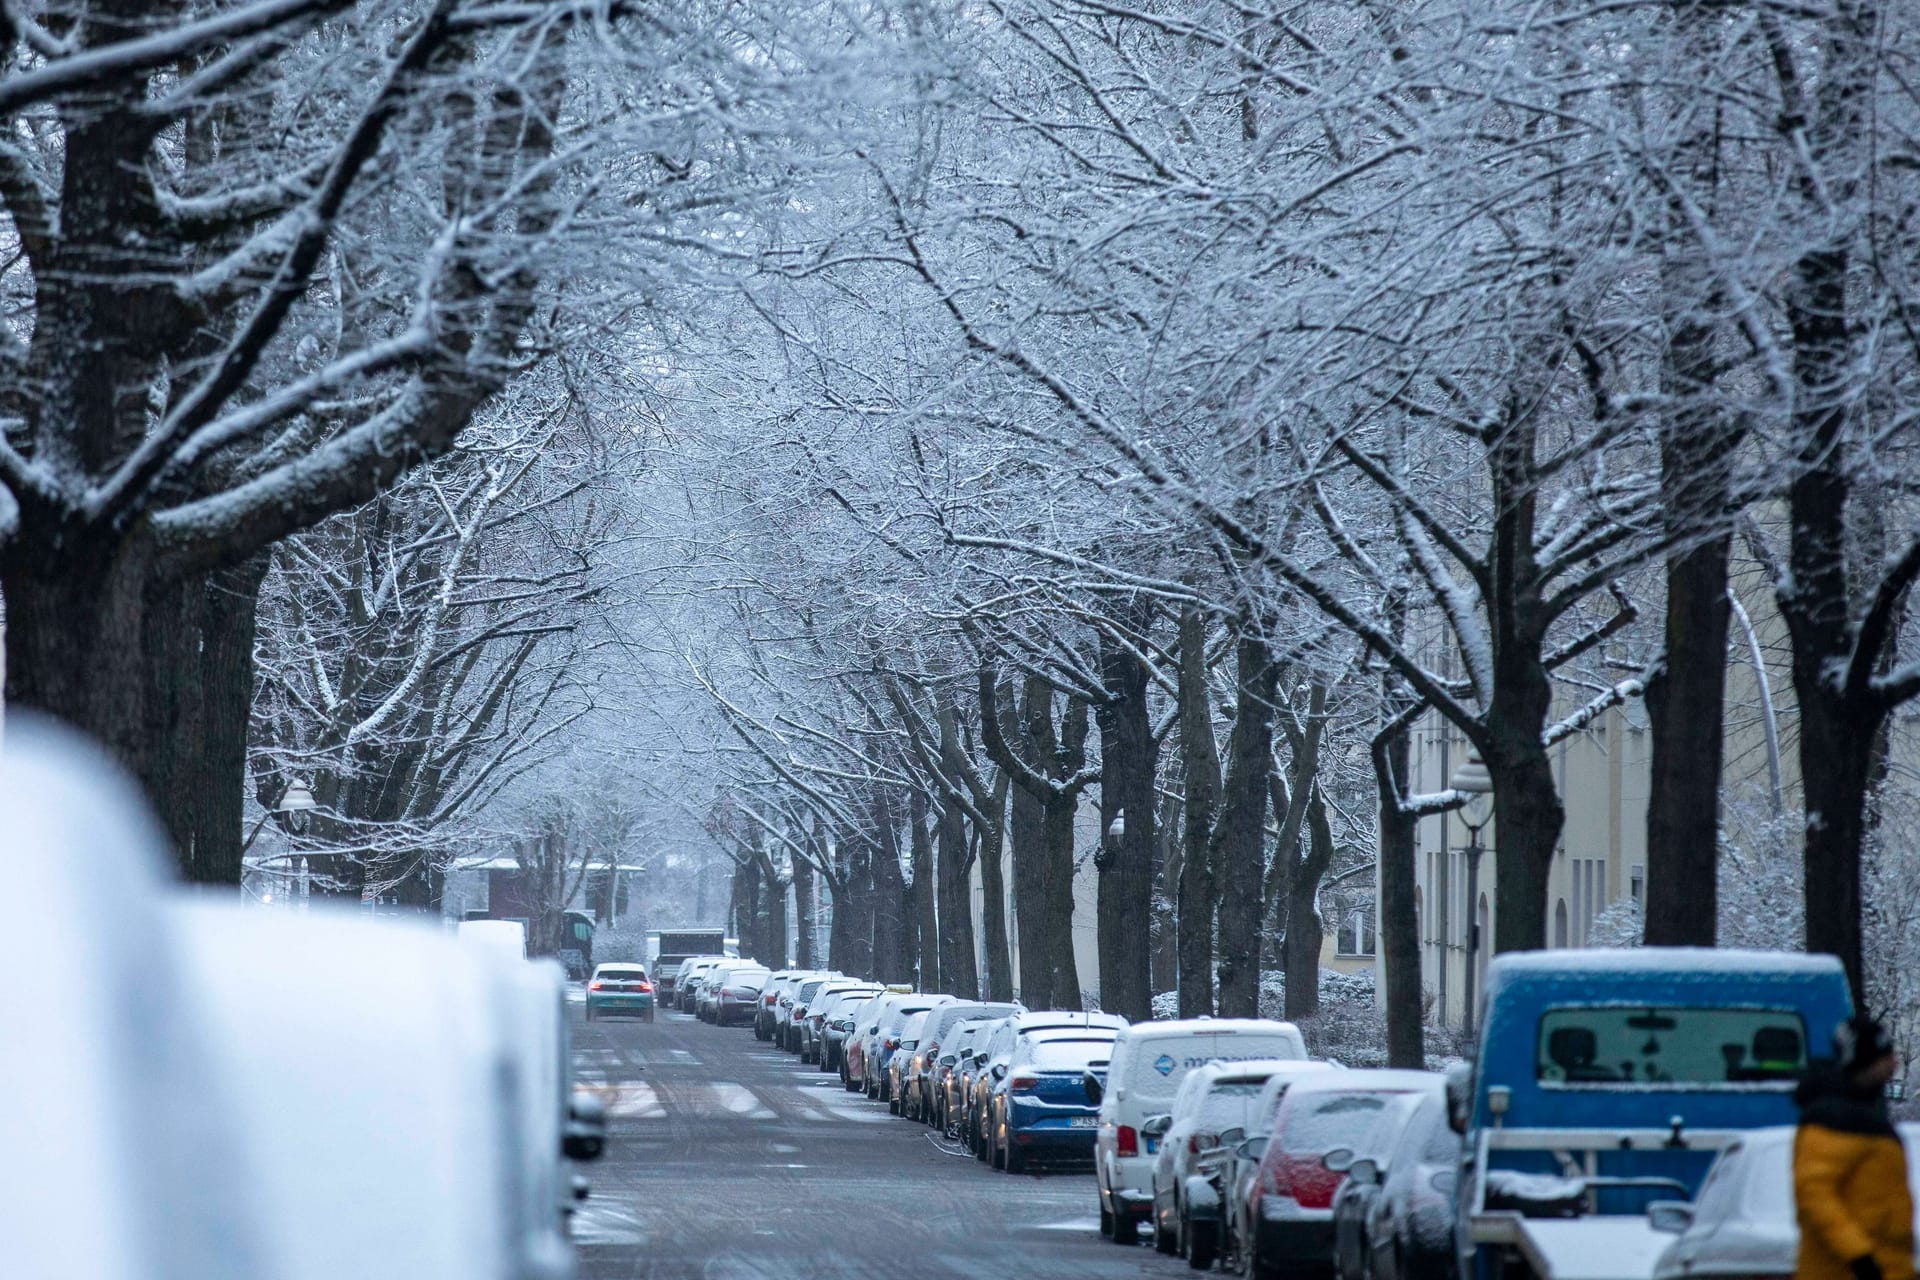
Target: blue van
[1608, 1080]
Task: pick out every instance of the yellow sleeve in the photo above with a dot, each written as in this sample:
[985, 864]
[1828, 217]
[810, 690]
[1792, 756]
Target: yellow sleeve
[1822, 1159]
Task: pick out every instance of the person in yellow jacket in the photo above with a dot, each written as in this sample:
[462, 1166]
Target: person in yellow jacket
[1849, 1167]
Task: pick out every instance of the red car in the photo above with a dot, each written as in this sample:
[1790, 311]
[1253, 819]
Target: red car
[1290, 1203]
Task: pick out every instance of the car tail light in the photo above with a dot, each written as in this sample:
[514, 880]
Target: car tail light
[1022, 1083]
[646, 986]
[892, 1043]
[595, 986]
[1126, 1141]
[771, 999]
[1198, 1142]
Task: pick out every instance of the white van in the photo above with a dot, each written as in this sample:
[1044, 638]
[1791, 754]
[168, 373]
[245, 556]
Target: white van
[1149, 1063]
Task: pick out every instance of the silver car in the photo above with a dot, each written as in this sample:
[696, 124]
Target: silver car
[1742, 1222]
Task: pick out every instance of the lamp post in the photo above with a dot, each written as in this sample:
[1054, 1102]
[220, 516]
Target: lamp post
[1472, 779]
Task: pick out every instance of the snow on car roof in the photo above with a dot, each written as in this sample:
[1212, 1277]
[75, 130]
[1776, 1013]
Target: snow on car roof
[1205, 1026]
[1366, 1080]
[1662, 960]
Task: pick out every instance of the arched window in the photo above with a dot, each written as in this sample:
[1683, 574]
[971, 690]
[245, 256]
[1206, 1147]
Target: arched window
[1560, 923]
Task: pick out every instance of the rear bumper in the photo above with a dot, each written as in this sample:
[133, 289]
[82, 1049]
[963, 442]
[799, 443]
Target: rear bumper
[1053, 1140]
[619, 1004]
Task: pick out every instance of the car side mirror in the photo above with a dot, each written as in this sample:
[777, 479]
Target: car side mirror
[586, 1134]
[1338, 1160]
[1364, 1172]
[1231, 1137]
[1251, 1149]
[1156, 1126]
[947, 1059]
[1459, 1089]
[1094, 1089]
[1670, 1216]
[999, 1070]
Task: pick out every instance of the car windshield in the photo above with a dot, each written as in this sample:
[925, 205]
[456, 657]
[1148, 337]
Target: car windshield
[1319, 1122]
[1640, 1045]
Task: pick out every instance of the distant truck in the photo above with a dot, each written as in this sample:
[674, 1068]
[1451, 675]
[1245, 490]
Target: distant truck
[575, 952]
[1607, 1081]
[673, 947]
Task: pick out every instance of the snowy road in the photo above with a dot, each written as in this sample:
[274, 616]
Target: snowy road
[732, 1161]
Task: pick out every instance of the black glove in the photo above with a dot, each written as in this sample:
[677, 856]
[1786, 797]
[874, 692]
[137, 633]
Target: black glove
[1865, 1268]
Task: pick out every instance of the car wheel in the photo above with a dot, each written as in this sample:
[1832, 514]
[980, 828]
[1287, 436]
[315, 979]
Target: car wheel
[1163, 1240]
[1016, 1159]
[997, 1158]
[1201, 1247]
[589, 1013]
[1126, 1228]
[1106, 1217]
[979, 1149]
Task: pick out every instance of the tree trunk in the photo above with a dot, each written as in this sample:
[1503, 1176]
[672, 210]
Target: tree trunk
[226, 695]
[994, 891]
[1128, 754]
[1238, 845]
[776, 929]
[953, 879]
[1399, 924]
[1304, 932]
[1837, 757]
[1686, 704]
[891, 962]
[1200, 764]
[925, 925]
[1056, 924]
[76, 643]
[803, 883]
[1028, 826]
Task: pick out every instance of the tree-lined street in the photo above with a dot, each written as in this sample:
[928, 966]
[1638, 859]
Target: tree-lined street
[730, 1160]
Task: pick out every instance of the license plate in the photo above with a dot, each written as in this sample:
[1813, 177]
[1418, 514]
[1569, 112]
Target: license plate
[1086, 1122]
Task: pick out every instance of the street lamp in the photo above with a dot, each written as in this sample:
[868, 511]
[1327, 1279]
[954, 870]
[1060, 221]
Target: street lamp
[296, 802]
[1118, 827]
[1473, 780]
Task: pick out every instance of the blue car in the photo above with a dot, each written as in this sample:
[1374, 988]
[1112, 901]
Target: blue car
[1608, 1080]
[1038, 1107]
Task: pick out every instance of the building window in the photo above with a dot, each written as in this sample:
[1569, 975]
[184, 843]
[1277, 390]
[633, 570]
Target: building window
[1637, 885]
[1355, 937]
[1560, 923]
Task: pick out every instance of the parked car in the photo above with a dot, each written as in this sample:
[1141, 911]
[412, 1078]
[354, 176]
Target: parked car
[1742, 1223]
[1366, 1166]
[883, 1038]
[791, 1009]
[901, 1059]
[961, 1117]
[829, 1004]
[954, 1067]
[838, 1030]
[778, 982]
[707, 993]
[1596, 1056]
[1214, 1107]
[620, 990]
[998, 1052]
[736, 996]
[687, 989]
[1244, 1164]
[1410, 1224]
[1149, 1063]
[1038, 1108]
[923, 1073]
[1290, 1209]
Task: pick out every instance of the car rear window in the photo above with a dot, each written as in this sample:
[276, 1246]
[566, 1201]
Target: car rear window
[1227, 1105]
[623, 975]
[1635, 1046]
[1155, 1067]
[1317, 1122]
[1068, 1055]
